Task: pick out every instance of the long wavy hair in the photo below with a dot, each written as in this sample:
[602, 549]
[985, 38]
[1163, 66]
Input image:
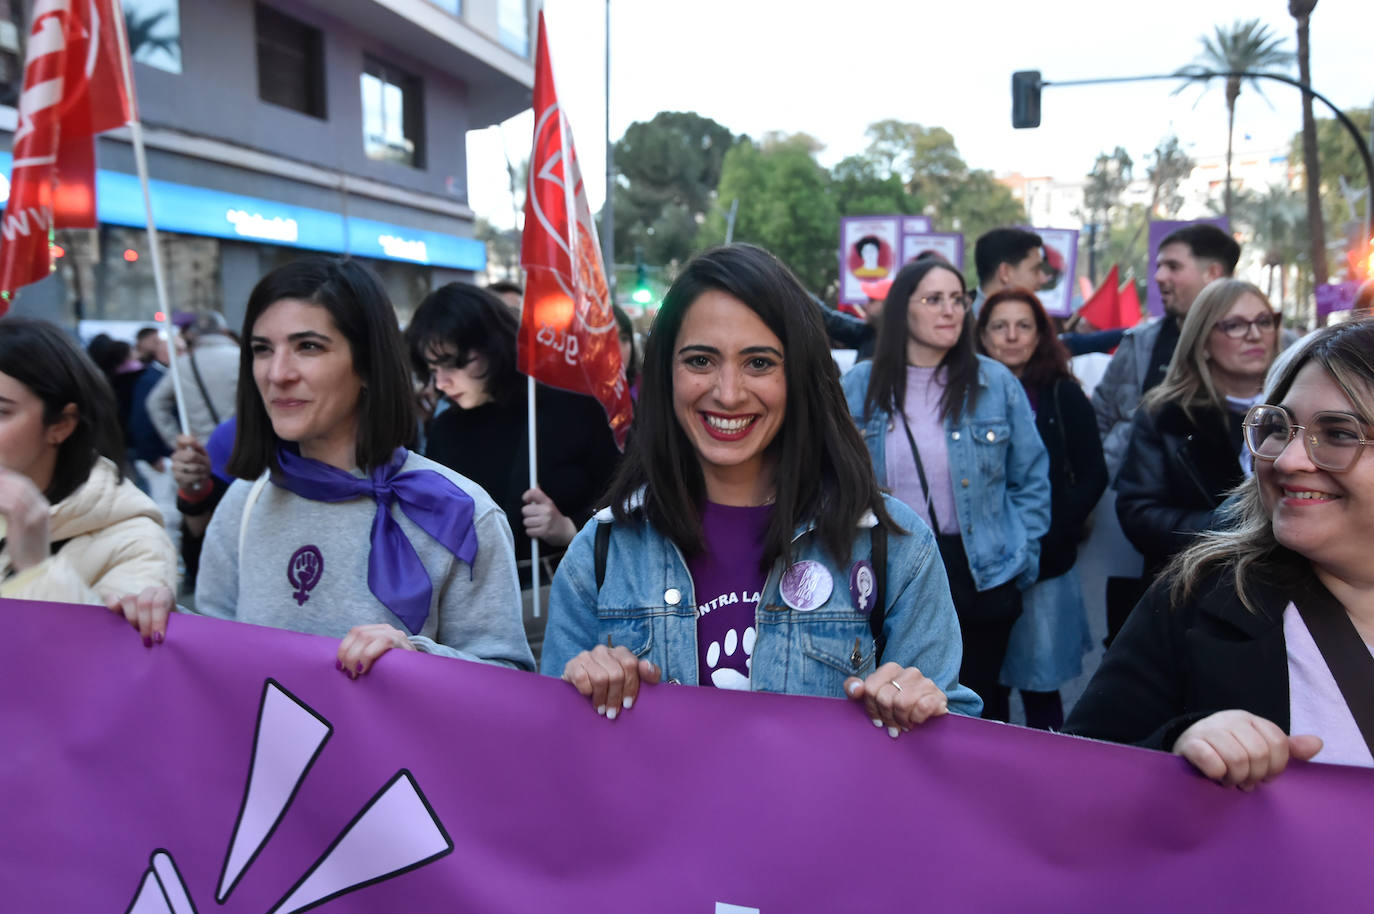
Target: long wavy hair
[823, 474]
[1189, 379]
[1246, 541]
[887, 383]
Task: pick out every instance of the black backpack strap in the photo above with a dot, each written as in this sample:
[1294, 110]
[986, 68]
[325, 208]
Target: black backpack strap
[1344, 651]
[877, 538]
[602, 549]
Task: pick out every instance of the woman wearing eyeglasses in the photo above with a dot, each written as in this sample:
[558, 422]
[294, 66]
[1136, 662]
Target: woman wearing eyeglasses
[1185, 452]
[951, 433]
[1244, 640]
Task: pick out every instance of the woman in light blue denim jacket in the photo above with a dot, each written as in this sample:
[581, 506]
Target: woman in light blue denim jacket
[739, 549]
[951, 433]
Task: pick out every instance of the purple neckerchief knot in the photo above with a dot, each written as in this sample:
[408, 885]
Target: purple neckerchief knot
[395, 574]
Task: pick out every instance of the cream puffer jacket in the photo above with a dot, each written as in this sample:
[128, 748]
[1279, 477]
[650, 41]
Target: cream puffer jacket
[112, 542]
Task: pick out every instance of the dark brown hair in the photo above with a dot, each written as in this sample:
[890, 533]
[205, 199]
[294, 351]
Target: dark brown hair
[1050, 360]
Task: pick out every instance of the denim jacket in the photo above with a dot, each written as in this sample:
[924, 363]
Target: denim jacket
[998, 469]
[647, 603]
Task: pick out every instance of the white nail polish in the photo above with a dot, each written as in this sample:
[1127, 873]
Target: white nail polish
[611, 713]
[601, 709]
[892, 732]
[876, 722]
[629, 702]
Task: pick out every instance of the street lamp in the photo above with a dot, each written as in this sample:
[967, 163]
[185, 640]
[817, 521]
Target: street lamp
[1025, 103]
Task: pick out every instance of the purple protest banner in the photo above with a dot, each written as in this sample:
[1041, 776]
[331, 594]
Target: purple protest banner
[1336, 296]
[233, 769]
[1159, 229]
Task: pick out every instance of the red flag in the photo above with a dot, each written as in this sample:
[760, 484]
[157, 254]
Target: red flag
[568, 335]
[1128, 305]
[1103, 308]
[74, 88]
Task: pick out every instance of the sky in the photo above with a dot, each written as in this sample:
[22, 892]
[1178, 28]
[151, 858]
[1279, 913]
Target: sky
[761, 65]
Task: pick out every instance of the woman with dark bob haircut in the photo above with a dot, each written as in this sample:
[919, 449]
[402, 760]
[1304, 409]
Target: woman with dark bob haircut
[327, 488]
[1253, 647]
[745, 540]
[76, 530]
[465, 337]
[1049, 639]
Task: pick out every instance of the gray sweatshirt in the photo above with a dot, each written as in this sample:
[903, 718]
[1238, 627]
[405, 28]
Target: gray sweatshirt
[304, 569]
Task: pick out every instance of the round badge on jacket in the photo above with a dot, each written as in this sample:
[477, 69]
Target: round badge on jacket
[862, 584]
[806, 586]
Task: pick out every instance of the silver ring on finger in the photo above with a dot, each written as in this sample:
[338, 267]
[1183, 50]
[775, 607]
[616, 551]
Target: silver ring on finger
[895, 684]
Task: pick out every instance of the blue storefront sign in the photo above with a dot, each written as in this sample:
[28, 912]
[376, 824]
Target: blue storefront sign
[200, 211]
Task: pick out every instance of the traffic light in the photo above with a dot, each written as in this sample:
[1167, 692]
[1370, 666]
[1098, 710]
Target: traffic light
[642, 294]
[1025, 98]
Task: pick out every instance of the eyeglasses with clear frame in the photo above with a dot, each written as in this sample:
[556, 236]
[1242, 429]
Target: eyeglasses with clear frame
[960, 300]
[1333, 440]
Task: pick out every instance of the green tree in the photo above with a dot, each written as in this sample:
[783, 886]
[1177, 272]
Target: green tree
[1344, 182]
[786, 204]
[1166, 170]
[1243, 47]
[668, 167]
[1277, 223]
[861, 186]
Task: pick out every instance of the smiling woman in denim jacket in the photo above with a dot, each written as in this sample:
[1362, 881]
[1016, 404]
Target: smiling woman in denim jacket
[951, 434]
[739, 547]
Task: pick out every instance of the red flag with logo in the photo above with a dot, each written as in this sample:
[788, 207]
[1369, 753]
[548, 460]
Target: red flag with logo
[568, 335]
[74, 88]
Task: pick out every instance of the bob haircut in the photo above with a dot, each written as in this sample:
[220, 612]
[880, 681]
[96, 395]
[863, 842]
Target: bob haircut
[887, 383]
[1050, 360]
[51, 365]
[360, 309]
[462, 319]
[1188, 381]
[823, 473]
[1245, 539]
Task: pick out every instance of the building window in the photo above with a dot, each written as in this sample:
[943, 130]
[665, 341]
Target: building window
[154, 28]
[513, 25]
[393, 115]
[290, 62]
[452, 6]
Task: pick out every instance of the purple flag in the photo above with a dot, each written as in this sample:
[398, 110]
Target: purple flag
[234, 769]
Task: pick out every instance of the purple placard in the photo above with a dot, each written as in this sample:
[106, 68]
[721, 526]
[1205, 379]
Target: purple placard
[869, 247]
[1061, 264]
[1336, 296]
[235, 769]
[915, 225]
[949, 245]
[1158, 230]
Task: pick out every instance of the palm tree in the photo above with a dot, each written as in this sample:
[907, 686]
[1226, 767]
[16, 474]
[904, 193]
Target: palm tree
[1245, 47]
[1301, 10]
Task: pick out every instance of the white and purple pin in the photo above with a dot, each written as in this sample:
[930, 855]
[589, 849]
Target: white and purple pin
[862, 584]
[806, 586]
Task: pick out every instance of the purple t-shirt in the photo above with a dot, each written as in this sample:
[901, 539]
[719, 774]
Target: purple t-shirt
[727, 581]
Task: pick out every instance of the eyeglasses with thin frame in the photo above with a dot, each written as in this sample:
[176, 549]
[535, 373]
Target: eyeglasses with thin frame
[1333, 440]
[1238, 327]
[958, 300]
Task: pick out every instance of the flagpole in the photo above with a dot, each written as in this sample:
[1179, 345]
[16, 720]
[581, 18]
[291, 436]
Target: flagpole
[159, 282]
[534, 484]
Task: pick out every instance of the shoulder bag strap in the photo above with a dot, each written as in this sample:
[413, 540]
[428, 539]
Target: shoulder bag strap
[200, 382]
[877, 535]
[921, 474]
[602, 548]
[1345, 653]
[253, 494]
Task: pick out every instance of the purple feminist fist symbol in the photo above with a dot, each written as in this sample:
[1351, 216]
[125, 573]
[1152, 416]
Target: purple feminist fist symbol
[303, 572]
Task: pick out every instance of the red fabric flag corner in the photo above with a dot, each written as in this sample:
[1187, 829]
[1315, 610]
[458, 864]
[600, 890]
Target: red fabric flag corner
[1102, 310]
[568, 336]
[1128, 305]
[74, 88]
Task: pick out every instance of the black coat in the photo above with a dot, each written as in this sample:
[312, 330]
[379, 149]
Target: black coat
[1171, 666]
[1078, 473]
[1175, 475]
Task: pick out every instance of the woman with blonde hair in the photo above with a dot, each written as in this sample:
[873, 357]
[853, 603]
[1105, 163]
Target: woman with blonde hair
[1186, 452]
[1254, 647]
